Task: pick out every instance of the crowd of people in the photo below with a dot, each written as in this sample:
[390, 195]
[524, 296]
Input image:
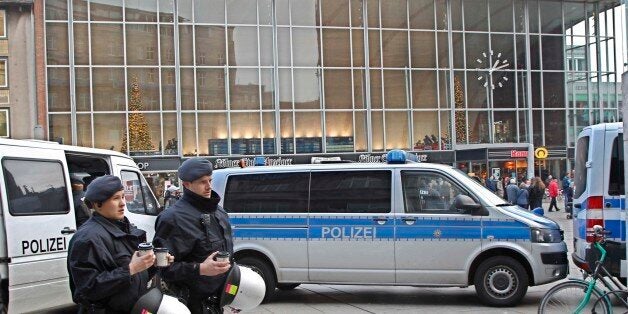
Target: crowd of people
[529, 193]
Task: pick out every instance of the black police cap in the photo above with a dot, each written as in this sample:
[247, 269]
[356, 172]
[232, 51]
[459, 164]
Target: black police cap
[102, 188]
[195, 168]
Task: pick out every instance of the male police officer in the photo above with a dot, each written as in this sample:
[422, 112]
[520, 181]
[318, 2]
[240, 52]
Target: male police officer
[107, 274]
[194, 229]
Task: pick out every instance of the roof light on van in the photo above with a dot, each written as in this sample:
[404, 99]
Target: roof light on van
[260, 161]
[398, 156]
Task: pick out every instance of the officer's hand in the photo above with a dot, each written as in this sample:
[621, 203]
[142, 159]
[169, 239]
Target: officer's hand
[210, 267]
[170, 258]
[141, 263]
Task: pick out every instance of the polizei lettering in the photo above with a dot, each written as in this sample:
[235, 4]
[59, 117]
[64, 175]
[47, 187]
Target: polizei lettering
[43, 245]
[349, 232]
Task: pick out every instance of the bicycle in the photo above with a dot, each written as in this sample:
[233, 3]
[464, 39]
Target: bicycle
[575, 295]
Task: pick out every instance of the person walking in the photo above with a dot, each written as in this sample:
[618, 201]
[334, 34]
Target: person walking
[195, 229]
[522, 196]
[553, 193]
[512, 191]
[535, 193]
[107, 275]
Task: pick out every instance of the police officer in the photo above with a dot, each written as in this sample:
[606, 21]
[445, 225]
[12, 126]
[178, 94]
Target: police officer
[106, 273]
[194, 229]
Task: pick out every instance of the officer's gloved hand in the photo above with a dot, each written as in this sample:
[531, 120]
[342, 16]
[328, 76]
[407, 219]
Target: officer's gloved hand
[210, 267]
[141, 263]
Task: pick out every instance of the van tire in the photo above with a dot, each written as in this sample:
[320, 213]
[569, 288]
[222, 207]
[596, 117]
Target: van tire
[287, 286]
[263, 269]
[500, 281]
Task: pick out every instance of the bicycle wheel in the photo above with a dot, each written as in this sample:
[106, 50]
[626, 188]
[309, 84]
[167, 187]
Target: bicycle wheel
[565, 298]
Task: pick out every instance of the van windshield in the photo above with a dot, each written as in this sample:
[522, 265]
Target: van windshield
[582, 156]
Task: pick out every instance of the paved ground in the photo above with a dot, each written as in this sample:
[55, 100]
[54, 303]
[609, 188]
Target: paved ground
[381, 299]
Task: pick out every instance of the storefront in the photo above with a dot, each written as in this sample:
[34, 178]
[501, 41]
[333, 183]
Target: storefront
[160, 173]
[499, 162]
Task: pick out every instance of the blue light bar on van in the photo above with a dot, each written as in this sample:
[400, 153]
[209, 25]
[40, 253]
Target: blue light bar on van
[260, 161]
[398, 156]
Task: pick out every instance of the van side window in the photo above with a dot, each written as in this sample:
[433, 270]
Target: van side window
[350, 192]
[35, 187]
[137, 194]
[616, 178]
[428, 192]
[582, 156]
[267, 193]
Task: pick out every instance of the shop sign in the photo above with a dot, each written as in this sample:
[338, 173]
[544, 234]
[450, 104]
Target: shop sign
[541, 153]
[382, 158]
[249, 162]
[518, 153]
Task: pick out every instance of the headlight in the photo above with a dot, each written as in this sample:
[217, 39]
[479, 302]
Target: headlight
[545, 235]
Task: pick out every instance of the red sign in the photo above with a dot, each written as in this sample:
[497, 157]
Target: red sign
[518, 153]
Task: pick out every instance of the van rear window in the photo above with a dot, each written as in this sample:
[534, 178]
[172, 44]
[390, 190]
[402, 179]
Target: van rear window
[267, 193]
[35, 187]
[616, 177]
[582, 156]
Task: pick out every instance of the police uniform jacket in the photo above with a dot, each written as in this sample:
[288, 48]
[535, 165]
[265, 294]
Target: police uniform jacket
[179, 228]
[99, 257]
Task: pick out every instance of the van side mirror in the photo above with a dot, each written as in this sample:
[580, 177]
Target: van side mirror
[466, 205]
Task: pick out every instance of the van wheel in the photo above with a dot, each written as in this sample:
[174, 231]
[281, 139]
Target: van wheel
[263, 269]
[287, 286]
[501, 281]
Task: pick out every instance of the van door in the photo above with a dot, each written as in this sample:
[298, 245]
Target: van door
[614, 186]
[142, 207]
[351, 227]
[39, 220]
[433, 241]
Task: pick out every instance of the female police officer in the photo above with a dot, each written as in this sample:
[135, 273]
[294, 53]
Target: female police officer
[107, 274]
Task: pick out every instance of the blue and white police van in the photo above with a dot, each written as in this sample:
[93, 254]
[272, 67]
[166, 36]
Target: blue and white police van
[37, 217]
[599, 195]
[393, 223]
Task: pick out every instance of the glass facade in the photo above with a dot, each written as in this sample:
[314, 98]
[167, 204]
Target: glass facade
[247, 77]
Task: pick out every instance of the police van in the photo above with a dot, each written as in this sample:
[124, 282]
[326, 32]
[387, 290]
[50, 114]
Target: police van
[599, 195]
[393, 223]
[37, 217]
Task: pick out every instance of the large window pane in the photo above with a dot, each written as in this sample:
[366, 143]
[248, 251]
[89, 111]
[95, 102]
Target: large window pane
[58, 89]
[533, 12]
[397, 130]
[373, 13]
[108, 89]
[304, 12]
[395, 48]
[109, 48]
[421, 14]
[478, 130]
[268, 133]
[210, 89]
[57, 10]
[166, 44]
[395, 91]
[139, 145]
[555, 119]
[141, 10]
[171, 142]
[336, 48]
[551, 17]
[184, 10]
[244, 89]
[57, 43]
[335, 12]
[60, 128]
[339, 131]
[338, 89]
[360, 131]
[422, 45]
[108, 130]
[458, 50]
[188, 124]
[425, 130]
[552, 51]
[537, 129]
[212, 134]
[148, 80]
[306, 89]
[377, 130]
[305, 49]
[358, 47]
[141, 44]
[477, 93]
[503, 50]
[504, 92]
[424, 89]
[477, 49]
[266, 46]
[308, 132]
[84, 130]
[82, 89]
[81, 44]
[553, 90]
[166, 11]
[110, 10]
[505, 126]
[374, 51]
[475, 15]
[359, 89]
[445, 126]
[211, 11]
[283, 46]
[241, 12]
[245, 133]
[501, 15]
[268, 88]
[243, 41]
[186, 51]
[168, 89]
[394, 14]
[357, 10]
[287, 133]
[285, 88]
[188, 100]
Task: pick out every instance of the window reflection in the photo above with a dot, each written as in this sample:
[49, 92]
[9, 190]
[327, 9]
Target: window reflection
[108, 130]
[60, 128]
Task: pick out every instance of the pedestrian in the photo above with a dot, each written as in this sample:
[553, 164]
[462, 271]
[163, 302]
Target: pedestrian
[490, 184]
[568, 193]
[512, 191]
[167, 195]
[81, 212]
[499, 187]
[522, 196]
[107, 275]
[194, 229]
[553, 193]
[535, 193]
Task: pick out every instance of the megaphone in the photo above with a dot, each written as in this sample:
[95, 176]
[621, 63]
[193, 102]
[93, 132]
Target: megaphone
[155, 302]
[244, 289]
